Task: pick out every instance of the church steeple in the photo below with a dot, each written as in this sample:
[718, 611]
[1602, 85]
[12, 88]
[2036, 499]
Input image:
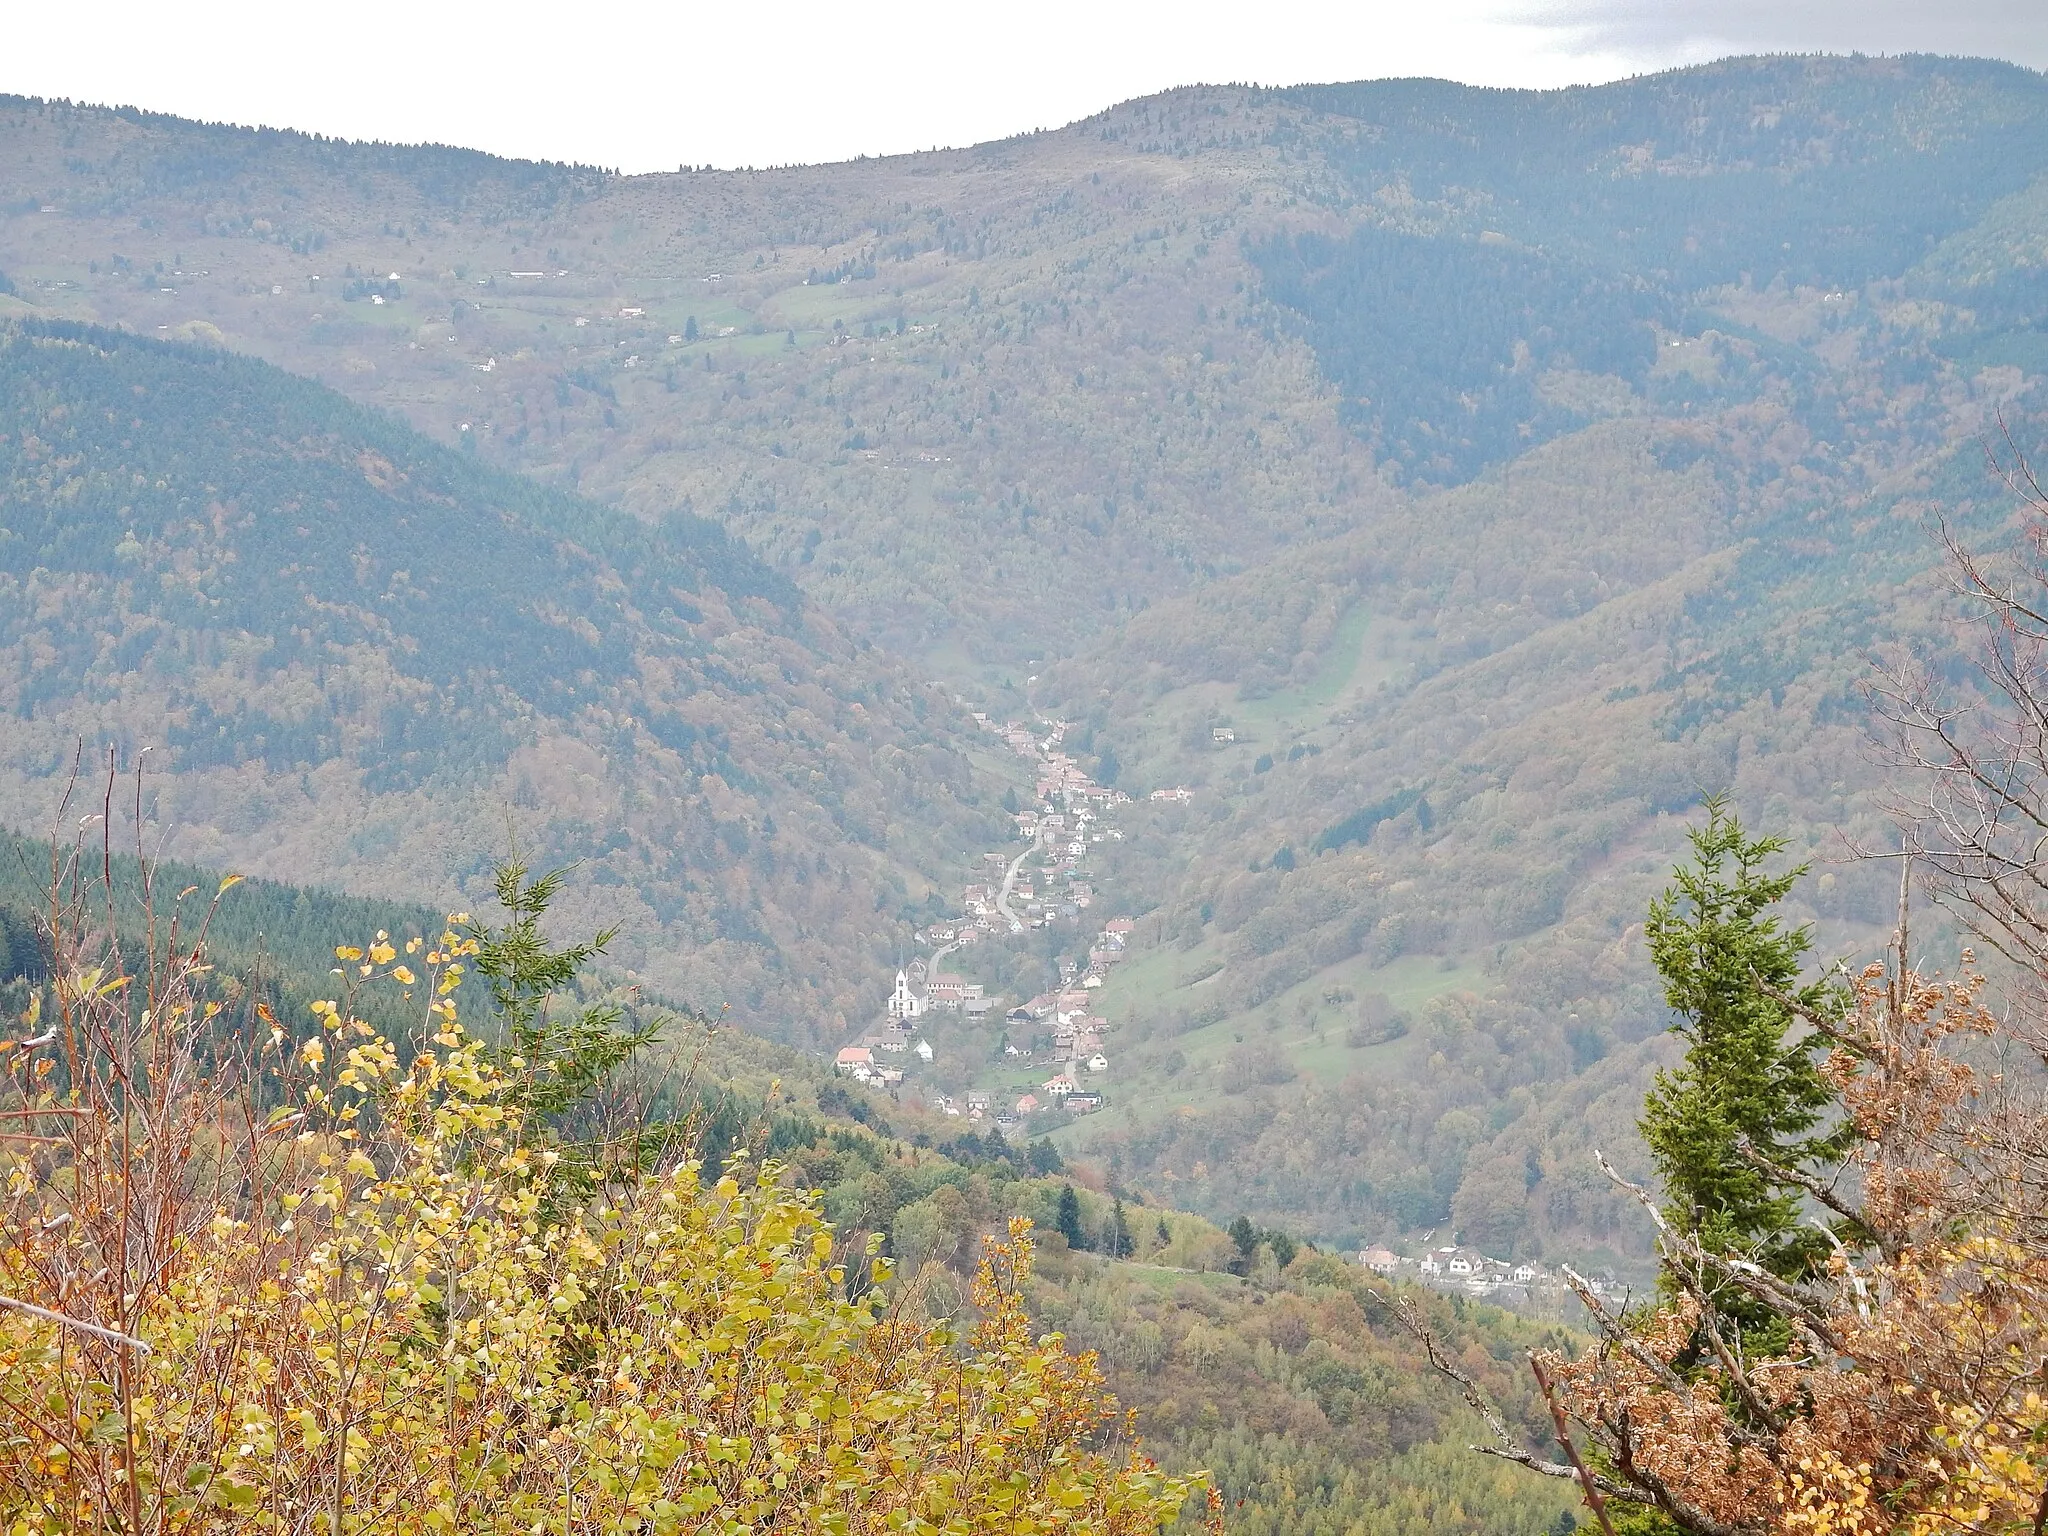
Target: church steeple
[904, 1004]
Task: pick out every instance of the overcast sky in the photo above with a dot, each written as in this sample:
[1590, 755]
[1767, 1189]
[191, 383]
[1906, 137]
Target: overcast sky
[651, 84]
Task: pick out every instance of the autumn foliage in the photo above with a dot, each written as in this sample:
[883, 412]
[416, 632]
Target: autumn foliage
[1910, 1397]
[277, 1279]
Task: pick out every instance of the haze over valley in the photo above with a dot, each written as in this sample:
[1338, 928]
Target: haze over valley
[1188, 640]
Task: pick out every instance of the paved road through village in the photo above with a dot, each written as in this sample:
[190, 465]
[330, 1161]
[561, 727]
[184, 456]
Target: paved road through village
[1010, 879]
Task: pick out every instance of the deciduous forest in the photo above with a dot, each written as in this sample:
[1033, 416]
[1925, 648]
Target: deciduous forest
[1302, 810]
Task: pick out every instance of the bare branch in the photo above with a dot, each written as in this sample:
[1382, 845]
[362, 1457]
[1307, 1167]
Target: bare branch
[1506, 1446]
[129, 1340]
[1886, 1245]
[1591, 1484]
[1749, 1276]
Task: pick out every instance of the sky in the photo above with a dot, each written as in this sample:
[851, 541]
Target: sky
[643, 85]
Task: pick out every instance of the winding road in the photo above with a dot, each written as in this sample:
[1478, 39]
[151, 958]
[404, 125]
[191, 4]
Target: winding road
[1010, 880]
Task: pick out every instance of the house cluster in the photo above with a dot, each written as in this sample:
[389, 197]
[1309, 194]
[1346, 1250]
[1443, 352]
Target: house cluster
[981, 918]
[1067, 818]
[1045, 883]
[1467, 1270]
[1078, 1031]
[920, 992]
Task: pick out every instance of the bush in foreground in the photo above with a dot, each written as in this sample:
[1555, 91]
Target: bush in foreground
[348, 1283]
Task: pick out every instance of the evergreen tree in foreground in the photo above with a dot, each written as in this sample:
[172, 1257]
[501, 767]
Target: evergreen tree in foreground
[1750, 1079]
[563, 1059]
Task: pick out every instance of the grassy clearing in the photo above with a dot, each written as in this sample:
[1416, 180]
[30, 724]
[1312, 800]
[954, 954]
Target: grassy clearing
[1301, 1022]
[1167, 745]
[817, 305]
[1364, 655]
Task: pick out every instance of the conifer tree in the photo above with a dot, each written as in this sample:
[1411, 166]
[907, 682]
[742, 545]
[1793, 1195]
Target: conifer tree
[563, 1059]
[1069, 1221]
[1245, 1237]
[1121, 1245]
[1750, 1082]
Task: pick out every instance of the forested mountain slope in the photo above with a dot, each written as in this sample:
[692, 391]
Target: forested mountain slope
[1462, 748]
[364, 658]
[1503, 469]
[985, 401]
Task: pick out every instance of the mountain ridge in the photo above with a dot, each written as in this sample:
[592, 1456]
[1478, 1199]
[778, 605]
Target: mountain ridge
[1495, 471]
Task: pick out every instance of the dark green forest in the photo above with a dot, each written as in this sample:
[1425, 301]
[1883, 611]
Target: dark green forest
[1828, 173]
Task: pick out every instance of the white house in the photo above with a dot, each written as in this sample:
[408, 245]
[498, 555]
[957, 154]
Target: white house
[923, 1049]
[1098, 1062]
[855, 1061]
[1059, 1085]
[1381, 1261]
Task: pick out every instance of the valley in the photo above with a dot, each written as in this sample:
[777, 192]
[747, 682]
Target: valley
[1127, 425]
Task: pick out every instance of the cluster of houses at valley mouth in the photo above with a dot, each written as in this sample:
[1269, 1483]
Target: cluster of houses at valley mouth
[1047, 882]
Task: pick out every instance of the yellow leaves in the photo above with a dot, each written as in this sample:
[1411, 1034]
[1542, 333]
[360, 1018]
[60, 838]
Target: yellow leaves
[348, 952]
[431, 1284]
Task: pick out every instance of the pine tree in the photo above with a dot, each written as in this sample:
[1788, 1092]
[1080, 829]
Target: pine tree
[1120, 1244]
[1246, 1238]
[1749, 1078]
[1069, 1222]
[564, 1059]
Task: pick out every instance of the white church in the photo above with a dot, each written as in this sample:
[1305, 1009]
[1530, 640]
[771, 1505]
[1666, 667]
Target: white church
[907, 1002]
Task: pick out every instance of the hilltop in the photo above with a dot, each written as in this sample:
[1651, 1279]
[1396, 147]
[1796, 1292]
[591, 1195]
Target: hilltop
[985, 402]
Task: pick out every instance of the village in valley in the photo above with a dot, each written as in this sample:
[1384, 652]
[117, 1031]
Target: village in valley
[1027, 1068]
[1519, 1285]
[1048, 1056]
